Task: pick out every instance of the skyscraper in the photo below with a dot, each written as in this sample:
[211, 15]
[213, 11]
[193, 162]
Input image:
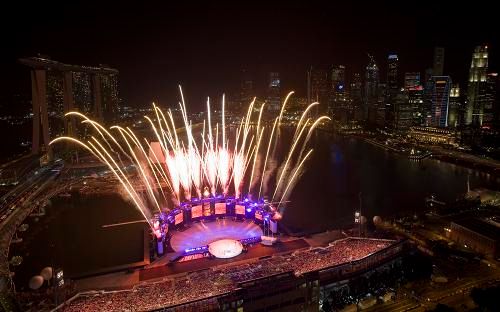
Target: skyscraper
[246, 91]
[476, 90]
[490, 107]
[416, 102]
[356, 90]
[274, 92]
[438, 64]
[317, 88]
[403, 110]
[454, 110]
[82, 92]
[109, 91]
[55, 103]
[338, 87]
[412, 80]
[415, 92]
[440, 95]
[392, 73]
[356, 96]
[371, 86]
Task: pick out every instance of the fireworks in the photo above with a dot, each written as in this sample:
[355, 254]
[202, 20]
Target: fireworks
[170, 168]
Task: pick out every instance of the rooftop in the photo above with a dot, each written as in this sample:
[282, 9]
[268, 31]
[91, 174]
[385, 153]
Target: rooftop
[481, 227]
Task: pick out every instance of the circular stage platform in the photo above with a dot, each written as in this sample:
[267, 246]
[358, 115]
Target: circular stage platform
[204, 233]
[225, 248]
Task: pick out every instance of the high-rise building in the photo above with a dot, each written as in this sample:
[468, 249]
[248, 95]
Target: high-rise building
[246, 91]
[412, 80]
[392, 73]
[440, 96]
[391, 90]
[274, 91]
[438, 64]
[428, 89]
[371, 86]
[403, 110]
[55, 103]
[416, 101]
[61, 88]
[477, 88]
[317, 88]
[82, 92]
[491, 105]
[338, 89]
[356, 90]
[356, 96]
[338, 77]
[455, 107]
[109, 86]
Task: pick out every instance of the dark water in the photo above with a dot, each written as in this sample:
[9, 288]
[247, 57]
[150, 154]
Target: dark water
[328, 192]
[324, 198]
[71, 236]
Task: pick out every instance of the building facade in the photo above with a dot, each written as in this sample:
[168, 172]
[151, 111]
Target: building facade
[317, 88]
[440, 96]
[455, 107]
[477, 88]
[274, 91]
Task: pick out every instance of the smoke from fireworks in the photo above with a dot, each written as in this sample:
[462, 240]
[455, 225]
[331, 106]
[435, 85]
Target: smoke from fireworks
[178, 167]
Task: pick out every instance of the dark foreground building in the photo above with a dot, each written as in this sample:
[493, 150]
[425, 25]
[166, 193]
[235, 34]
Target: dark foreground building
[481, 236]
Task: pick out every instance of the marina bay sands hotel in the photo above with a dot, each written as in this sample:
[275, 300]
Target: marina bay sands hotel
[57, 88]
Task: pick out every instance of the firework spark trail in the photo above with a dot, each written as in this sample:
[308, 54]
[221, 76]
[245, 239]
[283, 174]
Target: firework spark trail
[123, 178]
[292, 179]
[185, 167]
[309, 133]
[302, 117]
[66, 138]
[267, 155]
[261, 131]
[98, 128]
[290, 153]
[138, 165]
[159, 167]
[150, 166]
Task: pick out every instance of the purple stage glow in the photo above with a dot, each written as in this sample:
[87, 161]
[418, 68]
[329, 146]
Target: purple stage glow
[225, 248]
[204, 233]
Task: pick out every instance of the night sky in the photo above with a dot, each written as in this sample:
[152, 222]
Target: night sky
[204, 47]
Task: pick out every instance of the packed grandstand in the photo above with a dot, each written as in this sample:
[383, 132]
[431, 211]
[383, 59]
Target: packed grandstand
[219, 280]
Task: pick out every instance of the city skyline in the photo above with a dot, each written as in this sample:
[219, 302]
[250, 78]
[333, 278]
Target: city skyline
[162, 49]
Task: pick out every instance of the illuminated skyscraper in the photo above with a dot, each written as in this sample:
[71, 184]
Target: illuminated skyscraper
[476, 91]
[403, 111]
[356, 96]
[356, 90]
[415, 92]
[246, 91]
[392, 73]
[55, 103]
[274, 92]
[63, 88]
[490, 106]
[109, 91]
[440, 96]
[438, 64]
[412, 80]
[317, 88]
[371, 94]
[338, 87]
[454, 107]
[82, 92]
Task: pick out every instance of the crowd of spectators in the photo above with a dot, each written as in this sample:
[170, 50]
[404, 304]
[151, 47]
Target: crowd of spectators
[219, 280]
